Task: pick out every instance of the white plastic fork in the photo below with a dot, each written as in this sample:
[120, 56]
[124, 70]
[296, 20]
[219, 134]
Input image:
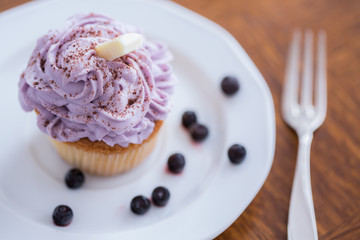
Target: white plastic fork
[304, 117]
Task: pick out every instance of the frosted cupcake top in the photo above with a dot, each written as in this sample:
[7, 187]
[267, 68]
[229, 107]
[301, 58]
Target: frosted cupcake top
[78, 94]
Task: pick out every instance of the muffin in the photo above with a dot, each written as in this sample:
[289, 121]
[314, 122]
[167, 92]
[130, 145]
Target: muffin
[102, 116]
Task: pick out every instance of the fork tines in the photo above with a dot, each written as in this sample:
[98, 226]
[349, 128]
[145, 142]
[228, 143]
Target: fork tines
[307, 104]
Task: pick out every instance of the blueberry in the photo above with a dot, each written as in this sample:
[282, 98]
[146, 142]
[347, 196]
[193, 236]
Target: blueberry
[199, 132]
[230, 85]
[160, 196]
[62, 215]
[236, 153]
[140, 205]
[176, 163]
[188, 118]
[74, 178]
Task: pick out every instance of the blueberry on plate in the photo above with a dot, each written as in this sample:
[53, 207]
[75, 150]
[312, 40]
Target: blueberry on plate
[199, 132]
[140, 205]
[188, 118]
[160, 196]
[237, 153]
[62, 215]
[176, 163]
[230, 85]
[74, 178]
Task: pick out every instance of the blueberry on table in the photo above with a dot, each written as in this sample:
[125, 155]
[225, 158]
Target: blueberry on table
[140, 205]
[176, 163]
[230, 85]
[74, 178]
[188, 118]
[62, 215]
[198, 132]
[160, 196]
[237, 153]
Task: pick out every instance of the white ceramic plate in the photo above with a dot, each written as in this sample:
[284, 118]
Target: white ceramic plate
[211, 192]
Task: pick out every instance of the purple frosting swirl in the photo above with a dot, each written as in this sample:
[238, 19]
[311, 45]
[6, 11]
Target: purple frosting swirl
[80, 95]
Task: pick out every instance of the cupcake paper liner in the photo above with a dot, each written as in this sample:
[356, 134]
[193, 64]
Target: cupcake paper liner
[100, 159]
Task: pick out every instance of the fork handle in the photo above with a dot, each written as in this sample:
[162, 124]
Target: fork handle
[301, 220]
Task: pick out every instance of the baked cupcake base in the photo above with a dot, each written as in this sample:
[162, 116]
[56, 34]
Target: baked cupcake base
[98, 158]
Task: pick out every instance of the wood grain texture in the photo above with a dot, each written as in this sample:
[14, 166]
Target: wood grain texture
[264, 28]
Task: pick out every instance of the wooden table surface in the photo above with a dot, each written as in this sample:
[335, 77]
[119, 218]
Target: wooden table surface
[264, 28]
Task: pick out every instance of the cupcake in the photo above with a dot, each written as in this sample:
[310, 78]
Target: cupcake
[102, 116]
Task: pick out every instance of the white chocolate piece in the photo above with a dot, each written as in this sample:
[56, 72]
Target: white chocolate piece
[119, 46]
